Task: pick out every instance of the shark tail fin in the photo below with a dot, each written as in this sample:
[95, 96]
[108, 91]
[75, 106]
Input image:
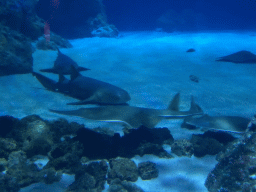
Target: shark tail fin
[45, 81]
[74, 73]
[194, 108]
[174, 104]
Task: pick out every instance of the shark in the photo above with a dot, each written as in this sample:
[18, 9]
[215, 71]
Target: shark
[231, 124]
[85, 89]
[63, 64]
[244, 57]
[132, 116]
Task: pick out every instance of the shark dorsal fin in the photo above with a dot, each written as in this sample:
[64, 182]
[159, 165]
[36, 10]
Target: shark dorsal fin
[194, 108]
[74, 73]
[174, 104]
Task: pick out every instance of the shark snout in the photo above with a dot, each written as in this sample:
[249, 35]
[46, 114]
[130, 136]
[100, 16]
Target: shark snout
[123, 96]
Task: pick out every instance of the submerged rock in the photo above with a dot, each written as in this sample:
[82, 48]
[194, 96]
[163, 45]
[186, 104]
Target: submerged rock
[147, 170]
[182, 148]
[15, 52]
[123, 169]
[123, 186]
[236, 170]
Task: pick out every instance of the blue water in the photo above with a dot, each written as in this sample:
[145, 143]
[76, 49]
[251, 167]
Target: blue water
[149, 60]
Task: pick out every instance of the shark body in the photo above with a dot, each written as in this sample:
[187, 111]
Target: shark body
[232, 124]
[87, 90]
[134, 117]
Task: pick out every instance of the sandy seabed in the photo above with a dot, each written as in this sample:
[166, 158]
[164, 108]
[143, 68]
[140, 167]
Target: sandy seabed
[152, 67]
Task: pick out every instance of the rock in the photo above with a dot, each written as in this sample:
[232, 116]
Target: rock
[85, 182]
[236, 170]
[136, 141]
[123, 169]
[147, 170]
[70, 163]
[191, 50]
[50, 176]
[55, 41]
[7, 146]
[91, 177]
[82, 18]
[21, 17]
[205, 146]
[8, 183]
[7, 123]
[151, 148]
[21, 170]
[37, 138]
[15, 52]
[182, 148]
[117, 185]
[194, 78]
[3, 164]
[106, 31]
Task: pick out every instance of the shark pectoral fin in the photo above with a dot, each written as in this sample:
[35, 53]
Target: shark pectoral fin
[174, 104]
[90, 100]
[84, 102]
[194, 108]
[83, 69]
[78, 112]
[50, 70]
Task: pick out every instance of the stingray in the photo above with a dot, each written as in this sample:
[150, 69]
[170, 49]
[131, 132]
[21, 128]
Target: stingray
[134, 117]
[62, 65]
[85, 89]
[232, 124]
[239, 57]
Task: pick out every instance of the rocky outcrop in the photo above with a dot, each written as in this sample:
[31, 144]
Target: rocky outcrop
[15, 52]
[34, 150]
[236, 170]
[20, 16]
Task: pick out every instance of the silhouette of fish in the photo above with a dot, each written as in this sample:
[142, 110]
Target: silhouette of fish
[233, 124]
[87, 90]
[239, 57]
[63, 64]
[134, 117]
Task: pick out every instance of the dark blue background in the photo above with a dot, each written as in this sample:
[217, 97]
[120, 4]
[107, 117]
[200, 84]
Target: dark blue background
[219, 14]
[69, 20]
